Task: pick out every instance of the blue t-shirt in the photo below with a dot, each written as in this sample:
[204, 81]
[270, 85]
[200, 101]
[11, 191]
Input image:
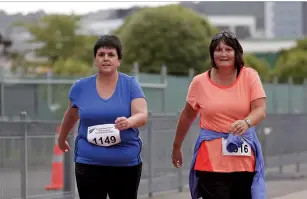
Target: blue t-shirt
[94, 110]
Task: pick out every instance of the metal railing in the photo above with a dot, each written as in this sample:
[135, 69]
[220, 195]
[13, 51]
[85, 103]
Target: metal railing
[27, 154]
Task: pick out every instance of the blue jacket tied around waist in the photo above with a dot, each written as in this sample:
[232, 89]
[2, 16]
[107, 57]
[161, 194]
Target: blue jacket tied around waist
[258, 188]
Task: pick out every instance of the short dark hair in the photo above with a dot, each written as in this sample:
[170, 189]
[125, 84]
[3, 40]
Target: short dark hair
[231, 40]
[109, 41]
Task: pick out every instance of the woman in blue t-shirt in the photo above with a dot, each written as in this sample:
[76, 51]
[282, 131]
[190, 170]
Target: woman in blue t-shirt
[110, 106]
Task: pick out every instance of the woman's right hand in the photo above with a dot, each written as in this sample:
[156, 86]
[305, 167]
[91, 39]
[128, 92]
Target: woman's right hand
[177, 157]
[63, 144]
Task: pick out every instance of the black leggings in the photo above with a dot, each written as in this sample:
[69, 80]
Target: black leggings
[236, 185]
[96, 182]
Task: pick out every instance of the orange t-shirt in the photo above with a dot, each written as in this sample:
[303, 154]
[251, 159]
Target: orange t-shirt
[219, 107]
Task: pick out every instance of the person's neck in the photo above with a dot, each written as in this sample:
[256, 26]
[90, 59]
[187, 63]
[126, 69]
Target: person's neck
[225, 74]
[107, 78]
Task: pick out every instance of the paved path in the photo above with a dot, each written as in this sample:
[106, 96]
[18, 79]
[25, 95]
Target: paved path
[285, 186]
[297, 195]
[186, 195]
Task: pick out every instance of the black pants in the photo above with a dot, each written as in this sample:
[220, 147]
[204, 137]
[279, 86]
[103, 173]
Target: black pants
[236, 185]
[95, 182]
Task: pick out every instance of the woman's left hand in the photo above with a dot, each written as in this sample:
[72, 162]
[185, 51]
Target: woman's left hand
[122, 123]
[239, 127]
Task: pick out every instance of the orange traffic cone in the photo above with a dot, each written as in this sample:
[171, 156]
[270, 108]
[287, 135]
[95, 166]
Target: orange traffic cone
[57, 166]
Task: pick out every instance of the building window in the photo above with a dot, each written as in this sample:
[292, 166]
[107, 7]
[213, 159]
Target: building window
[223, 28]
[243, 32]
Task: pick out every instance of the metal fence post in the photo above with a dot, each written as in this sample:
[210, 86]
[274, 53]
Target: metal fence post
[2, 102]
[191, 73]
[276, 110]
[150, 162]
[164, 81]
[290, 95]
[23, 155]
[298, 166]
[274, 95]
[261, 136]
[69, 185]
[266, 132]
[180, 169]
[305, 95]
[136, 70]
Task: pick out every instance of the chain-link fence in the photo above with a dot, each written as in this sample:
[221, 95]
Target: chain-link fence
[32, 167]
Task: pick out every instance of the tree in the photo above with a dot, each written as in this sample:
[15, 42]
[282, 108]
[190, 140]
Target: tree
[18, 60]
[68, 53]
[260, 65]
[60, 40]
[71, 67]
[302, 44]
[172, 35]
[292, 63]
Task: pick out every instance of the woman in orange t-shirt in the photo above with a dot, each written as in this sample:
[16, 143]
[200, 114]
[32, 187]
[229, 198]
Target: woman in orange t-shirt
[230, 99]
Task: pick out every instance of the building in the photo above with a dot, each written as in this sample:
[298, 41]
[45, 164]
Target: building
[286, 19]
[257, 19]
[243, 26]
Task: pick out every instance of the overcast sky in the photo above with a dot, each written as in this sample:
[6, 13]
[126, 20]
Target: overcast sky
[70, 6]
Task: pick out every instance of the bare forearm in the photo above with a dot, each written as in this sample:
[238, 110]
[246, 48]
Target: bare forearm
[257, 115]
[67, 124]
[182, 129]
[138, 119]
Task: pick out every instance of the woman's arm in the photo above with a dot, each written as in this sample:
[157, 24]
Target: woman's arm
[186, 118]
[69, 120]
[139, 113]
[258, 111]
[257, 114]
[258, 105]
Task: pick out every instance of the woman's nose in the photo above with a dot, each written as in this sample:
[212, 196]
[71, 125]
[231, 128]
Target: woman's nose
[105, 57]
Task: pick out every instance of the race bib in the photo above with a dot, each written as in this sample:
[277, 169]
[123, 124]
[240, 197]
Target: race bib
[103, 135]
[243, 150]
